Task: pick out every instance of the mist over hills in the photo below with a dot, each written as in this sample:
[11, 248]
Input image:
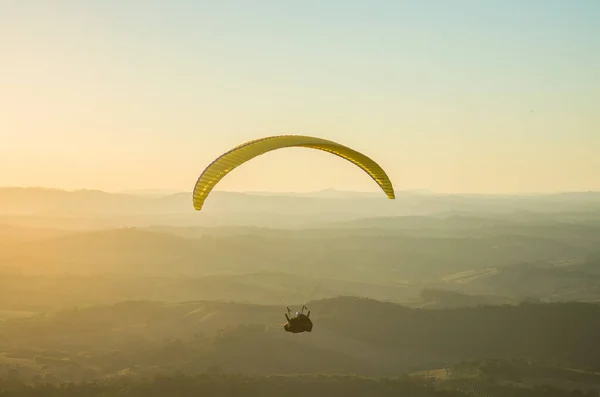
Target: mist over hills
[465, 243]
[352, 256]
[90, 208]
[464, 294]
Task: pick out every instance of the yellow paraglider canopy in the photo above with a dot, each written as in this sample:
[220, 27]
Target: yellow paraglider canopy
[247, 151]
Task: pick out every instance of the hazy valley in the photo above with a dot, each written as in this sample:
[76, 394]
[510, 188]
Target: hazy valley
[99, 287]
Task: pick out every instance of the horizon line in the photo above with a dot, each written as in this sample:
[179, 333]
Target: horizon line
[170, 192]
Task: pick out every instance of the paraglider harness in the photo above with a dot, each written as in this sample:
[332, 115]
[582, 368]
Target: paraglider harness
[300, 323]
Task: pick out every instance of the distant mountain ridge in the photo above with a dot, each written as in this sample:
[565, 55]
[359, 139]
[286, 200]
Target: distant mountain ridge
[291, 208]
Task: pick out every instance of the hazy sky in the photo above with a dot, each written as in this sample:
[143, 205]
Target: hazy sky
[447, 95]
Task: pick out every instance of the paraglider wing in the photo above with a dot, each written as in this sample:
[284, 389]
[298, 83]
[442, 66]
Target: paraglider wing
[247, 151]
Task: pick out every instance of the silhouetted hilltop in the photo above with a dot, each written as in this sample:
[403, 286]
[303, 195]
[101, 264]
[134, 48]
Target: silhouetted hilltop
[356, 335]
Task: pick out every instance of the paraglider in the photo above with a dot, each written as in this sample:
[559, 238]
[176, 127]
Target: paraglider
[235, 157]
[300, 323]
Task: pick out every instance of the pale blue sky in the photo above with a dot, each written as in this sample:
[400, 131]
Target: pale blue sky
[451, 96]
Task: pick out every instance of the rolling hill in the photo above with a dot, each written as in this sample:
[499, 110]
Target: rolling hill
[362, 336]
[375, 257]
